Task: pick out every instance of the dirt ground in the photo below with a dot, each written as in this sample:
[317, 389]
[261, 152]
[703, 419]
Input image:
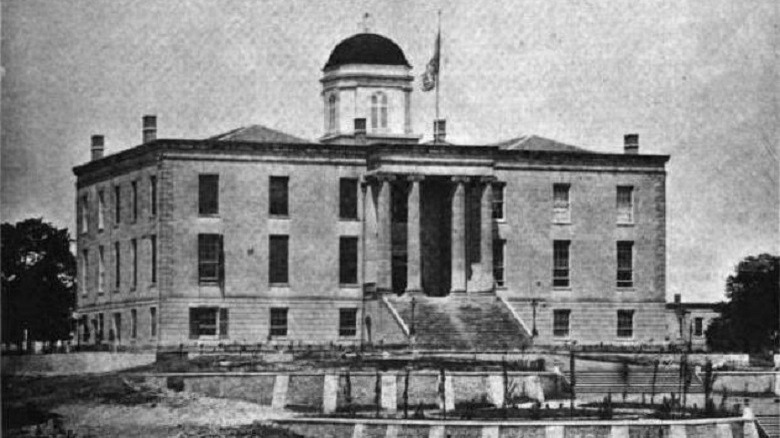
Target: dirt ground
[109, 405]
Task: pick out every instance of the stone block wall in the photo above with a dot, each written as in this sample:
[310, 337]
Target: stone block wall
[592, 323]
[308, 321]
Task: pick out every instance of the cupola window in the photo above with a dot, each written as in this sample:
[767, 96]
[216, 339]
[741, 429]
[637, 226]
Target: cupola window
[332, 108]
[378, 111]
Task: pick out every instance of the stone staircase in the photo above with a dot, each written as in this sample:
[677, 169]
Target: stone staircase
[469, 322]
[767, 412]
[639, 381]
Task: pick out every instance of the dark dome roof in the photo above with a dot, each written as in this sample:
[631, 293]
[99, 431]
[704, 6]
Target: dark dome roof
[366, 48]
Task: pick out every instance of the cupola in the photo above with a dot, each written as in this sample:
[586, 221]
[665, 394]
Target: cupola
[367, 77]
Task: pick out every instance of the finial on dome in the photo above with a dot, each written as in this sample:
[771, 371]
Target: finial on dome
[365, 25]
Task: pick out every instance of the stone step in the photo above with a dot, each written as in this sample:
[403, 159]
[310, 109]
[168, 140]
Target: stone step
[472, 322]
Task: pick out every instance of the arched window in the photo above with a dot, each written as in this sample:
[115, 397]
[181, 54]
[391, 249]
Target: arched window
[332, 109]
[378, 111]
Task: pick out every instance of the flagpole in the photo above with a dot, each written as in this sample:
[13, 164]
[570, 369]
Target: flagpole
[438, 73]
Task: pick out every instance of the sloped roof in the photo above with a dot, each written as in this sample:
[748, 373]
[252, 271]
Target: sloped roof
[258, 134]
[536, 143]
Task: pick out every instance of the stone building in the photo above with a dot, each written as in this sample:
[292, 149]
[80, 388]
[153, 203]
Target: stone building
[687, 322]
[369, 235]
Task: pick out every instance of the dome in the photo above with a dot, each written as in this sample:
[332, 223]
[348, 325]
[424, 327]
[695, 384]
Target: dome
[366, 48]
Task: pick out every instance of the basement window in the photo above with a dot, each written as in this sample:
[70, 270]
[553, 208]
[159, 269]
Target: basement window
[347, 322]
[208, 322]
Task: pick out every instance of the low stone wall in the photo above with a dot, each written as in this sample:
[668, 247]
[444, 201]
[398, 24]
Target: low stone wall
[750, 382]
[364, 428]
[73, 363]
[327, 392]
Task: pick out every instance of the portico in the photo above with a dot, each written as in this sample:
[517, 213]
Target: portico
[427, 231]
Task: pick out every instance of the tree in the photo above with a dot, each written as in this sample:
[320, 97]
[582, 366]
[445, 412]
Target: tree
[38, 281]
[749, 319]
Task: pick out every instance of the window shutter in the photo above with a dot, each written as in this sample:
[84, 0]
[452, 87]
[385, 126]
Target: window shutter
[223, 323]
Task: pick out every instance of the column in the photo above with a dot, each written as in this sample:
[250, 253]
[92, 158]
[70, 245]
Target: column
[413, 246]
[384, 263]
[369, 236]
[458, 240]
[486, 233]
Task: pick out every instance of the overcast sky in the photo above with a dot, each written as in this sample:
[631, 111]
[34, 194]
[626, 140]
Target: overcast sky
[697, 79]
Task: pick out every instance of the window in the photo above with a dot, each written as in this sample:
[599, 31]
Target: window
[117, 204]
[85, 328]
[278, 322]
[561, 263]
[134, 258]
[625, 262]
[101, 326]
[498, 202]
[208, 322]
[133, 324]
[117, 327]
[625, 327]
[348, 260]
[277, 259]
[347, 322]
[84, 214]
[117, 266]
[278, 195]
[84, 271]
[698, 326]
[561, 204]
[208, 195]
[101, 210]
[561, 322]
[378, 111]
[101, 270]
[210, 259]
[134, 199]
[499, 246]
[332, 113]
[153, 258]
[153, 321]
[625, 205]
[153, 195]
[348, 192]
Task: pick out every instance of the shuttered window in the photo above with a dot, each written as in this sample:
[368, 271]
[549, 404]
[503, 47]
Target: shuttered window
[208, 195]
[348, 260]
[347, 322]
[210, 258]
[625, 264]
[278, 325]
[561, 204]
[278, 259]
[278, 202]
[625, 323]
[625, 205]
[499, 246]
[561, 322]
[348, 192]
[561, 263]
[207, 322]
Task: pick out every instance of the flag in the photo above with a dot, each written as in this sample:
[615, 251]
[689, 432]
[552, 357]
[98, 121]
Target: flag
[430, 79]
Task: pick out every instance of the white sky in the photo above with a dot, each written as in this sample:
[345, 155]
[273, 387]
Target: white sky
[697, 79]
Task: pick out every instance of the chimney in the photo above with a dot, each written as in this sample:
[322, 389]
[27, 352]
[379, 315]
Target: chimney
[439, 130]
[360, 131]
[149, 128]
[677, 298]
[631, 144]
[97, 147]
